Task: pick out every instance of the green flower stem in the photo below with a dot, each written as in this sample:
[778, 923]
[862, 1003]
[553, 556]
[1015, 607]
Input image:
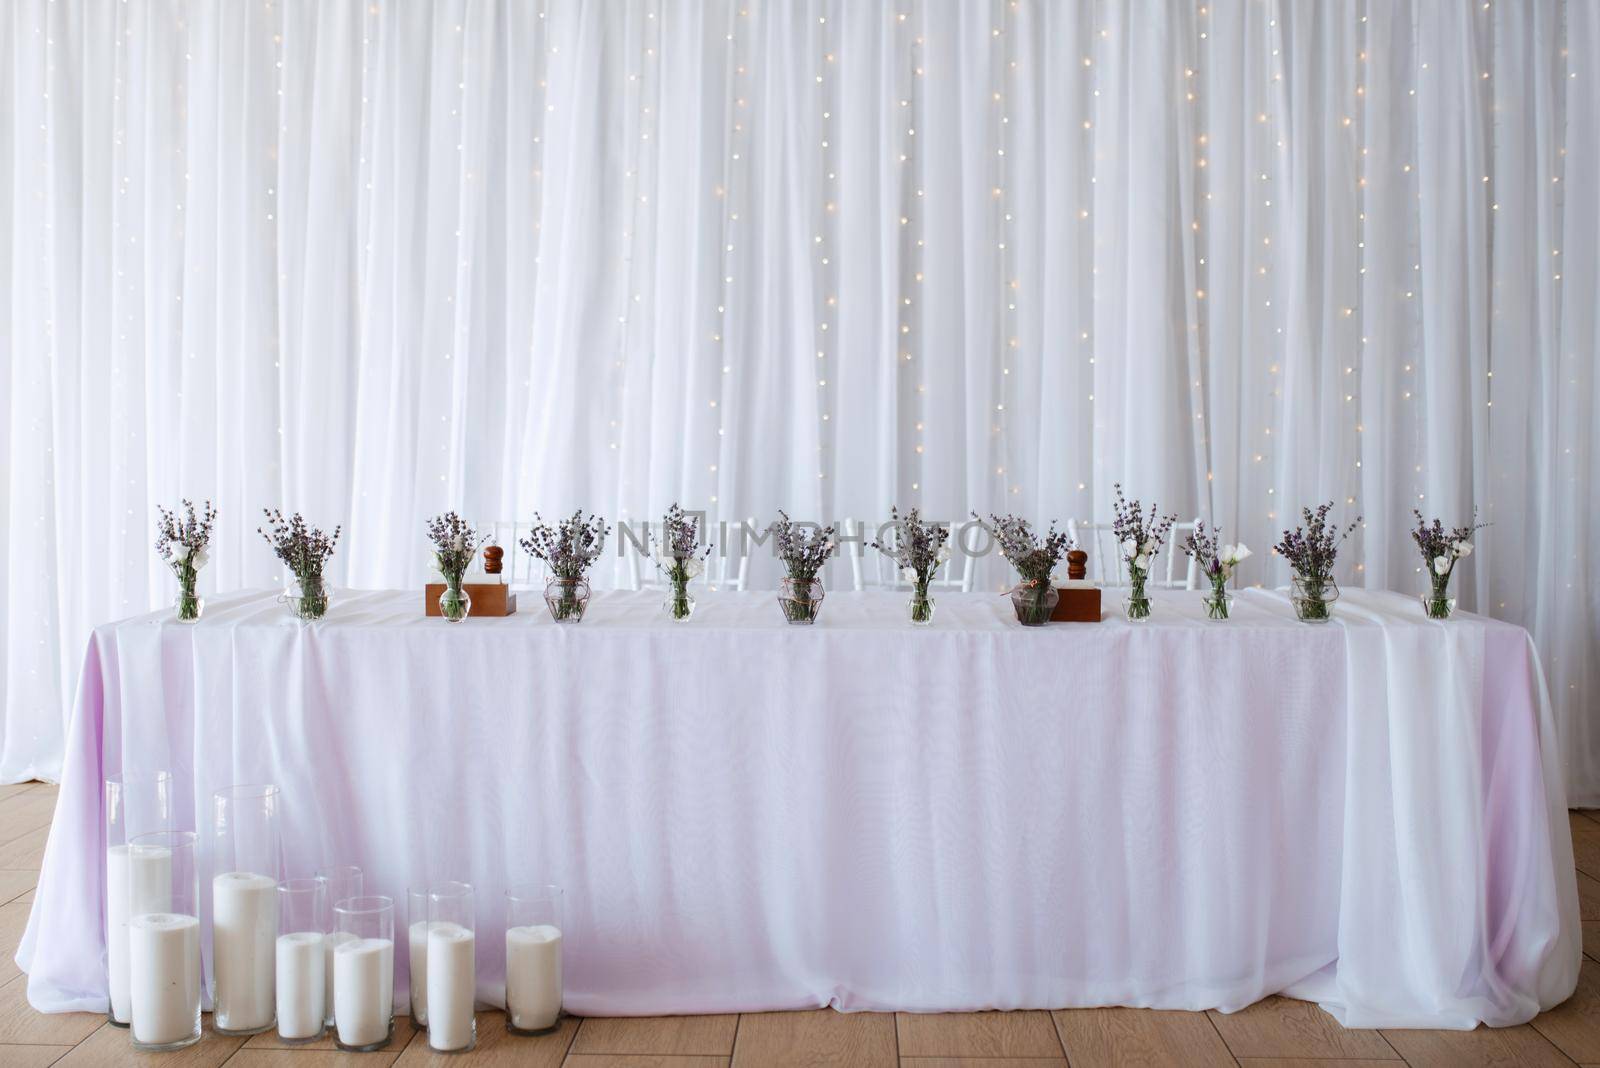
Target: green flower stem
[453, 605]
[313, 600]
[1033, 605]
[678, 575]
[1138, 600]
[1217, 603]
[921, 603]
[188, 600]
[1313, 605]
[1439, 600]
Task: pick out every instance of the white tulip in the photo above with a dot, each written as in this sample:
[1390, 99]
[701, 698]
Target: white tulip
[1462, 548]
[200, 559]
[1142, 562]
[180, 554]
[1130, 548]
[1241, 552]
[1441, 564]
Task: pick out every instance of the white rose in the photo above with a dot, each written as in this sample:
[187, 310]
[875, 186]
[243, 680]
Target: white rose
[433, 564]
[1241, 552]
[909, 574]
[1148, 548]
[1441, 564]
[1142, 562]
[180, 554]
[1130, 548]
[459, 543]
[200, 559]
[1462, 548]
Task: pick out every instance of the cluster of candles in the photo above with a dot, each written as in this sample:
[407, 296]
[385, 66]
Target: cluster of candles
[304, 955]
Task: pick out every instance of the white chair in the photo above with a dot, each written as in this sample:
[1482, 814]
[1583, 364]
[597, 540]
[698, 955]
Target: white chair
[1105, 548]
[885, 574]
[729, 565]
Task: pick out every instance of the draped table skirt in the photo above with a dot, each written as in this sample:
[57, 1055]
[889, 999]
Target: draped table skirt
[747, 815]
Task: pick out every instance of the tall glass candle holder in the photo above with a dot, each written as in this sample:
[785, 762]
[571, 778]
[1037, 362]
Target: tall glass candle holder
[342, 882]
[417, 956]
[533, 959]
[302, 967]
[164, 943]
[244, 908]
[452, 970]
[363, 973]
[135, 804]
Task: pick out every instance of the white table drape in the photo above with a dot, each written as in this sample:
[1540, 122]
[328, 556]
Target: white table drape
[747, 815]
[373, 260]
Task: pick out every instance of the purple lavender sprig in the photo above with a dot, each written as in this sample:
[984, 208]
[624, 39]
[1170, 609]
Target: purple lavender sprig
[1140, 535]
[183, 537]
[1033, 557]
[679, 539]
[802, 547]
[1312, 548]
[1442, 547]
[568, 548]
[917, 548]
[302, 548]
[455, 545]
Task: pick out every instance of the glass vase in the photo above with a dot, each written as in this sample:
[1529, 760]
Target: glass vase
[921, 608]
[304, 923]
[164, 943]
[1437, 602]
[245, 854]
[452, 968]
[189, 604]
[1033, 603]
[1313, 598]
[308, 597]
[1219, 602]
[679, 572]
[342, 882]
[567, 598]
[533, 959]
[363, 973]
[1136, 605]
[800, 599]
[135, 804]
[455, 603]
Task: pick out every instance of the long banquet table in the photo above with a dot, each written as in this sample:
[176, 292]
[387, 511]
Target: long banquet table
[748, 815]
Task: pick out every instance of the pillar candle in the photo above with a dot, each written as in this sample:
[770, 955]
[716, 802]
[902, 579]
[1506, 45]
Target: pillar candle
[301, 981]
[146, 876]
[451, 985]
[164, 977]
[533, 977]
[244, 928]
[418, 936]
[363, 990]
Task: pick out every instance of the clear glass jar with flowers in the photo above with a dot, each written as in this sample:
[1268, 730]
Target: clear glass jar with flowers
[1217, 562]
[1311, 550]
[304, 550]
[918, 548]
[455, 546]
[1441, 550]
[183, 540]
[802, 548]
[1139, 536]
[680, 555]
[568, 549]
[1033, 598]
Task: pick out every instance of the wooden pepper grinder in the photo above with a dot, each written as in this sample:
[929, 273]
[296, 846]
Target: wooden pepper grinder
[1077, 565]
[492, 556]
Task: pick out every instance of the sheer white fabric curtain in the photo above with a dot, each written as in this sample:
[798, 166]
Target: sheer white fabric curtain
[371, 261]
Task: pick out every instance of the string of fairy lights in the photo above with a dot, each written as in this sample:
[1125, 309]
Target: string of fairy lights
[825, 310]
[910, 39]
[728, 191]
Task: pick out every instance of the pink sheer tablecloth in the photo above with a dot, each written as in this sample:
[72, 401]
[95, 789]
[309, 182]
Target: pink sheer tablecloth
[747, 815]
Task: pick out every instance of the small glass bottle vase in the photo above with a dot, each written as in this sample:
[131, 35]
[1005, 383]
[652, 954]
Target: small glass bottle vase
[1034, 602]
[1313, 598]
[567, 599]
[308, 596]
[679, 572]
[1136, 604]
[1219, 602]
[921, 605]
[800, 599]
[1437, 602]
[455, 603]
[189, 604]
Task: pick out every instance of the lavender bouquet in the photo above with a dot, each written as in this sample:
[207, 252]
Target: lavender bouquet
[1139, 536]
[680, 553]
[1311, 550]
[1441, 549]
[304, 550]
[567, 549]
[455, 546]
[1218, 562]
[182, 541]
[1034, 598]
[803, 548]
[917, 548]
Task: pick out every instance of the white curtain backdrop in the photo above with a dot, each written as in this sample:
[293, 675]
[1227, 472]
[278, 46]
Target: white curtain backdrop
[374, 260]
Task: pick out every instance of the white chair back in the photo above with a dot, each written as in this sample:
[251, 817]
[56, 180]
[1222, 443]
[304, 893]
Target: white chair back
[1105, 556]
[518, 568]
[729, 565]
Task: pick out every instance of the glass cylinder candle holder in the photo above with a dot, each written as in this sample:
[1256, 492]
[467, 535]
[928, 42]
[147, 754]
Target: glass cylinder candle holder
[417, 957]
[135, 804]
[304, 923]
[452, 971]
[363, 973]
[342, 882]
[533, 959]
[163, 942]
[244, 908]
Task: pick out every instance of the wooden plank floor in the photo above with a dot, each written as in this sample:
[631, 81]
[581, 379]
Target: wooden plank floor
[1275, 1032]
